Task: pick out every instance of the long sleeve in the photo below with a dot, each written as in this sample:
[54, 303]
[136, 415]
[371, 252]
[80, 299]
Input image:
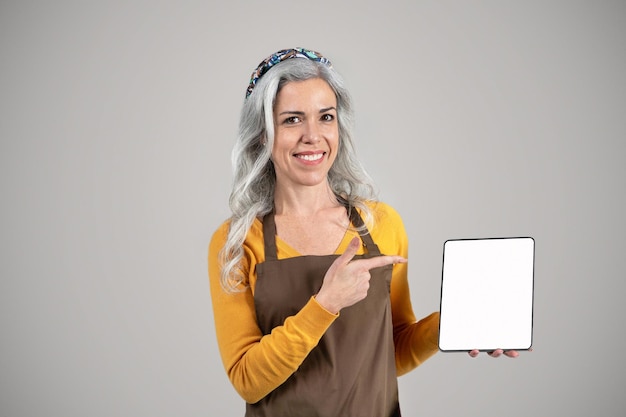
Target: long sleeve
[257, 364]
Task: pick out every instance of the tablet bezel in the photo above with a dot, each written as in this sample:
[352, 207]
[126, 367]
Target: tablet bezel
[450, 317]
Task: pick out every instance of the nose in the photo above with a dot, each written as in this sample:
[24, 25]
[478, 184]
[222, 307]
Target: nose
[311, 133]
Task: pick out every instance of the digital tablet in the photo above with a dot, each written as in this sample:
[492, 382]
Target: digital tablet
[487, 294]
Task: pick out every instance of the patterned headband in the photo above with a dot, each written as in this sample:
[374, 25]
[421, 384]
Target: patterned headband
[279, 57]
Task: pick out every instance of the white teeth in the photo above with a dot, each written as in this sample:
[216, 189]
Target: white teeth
[314, 157]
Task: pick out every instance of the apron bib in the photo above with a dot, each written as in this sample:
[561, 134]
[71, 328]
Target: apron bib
[351, 372]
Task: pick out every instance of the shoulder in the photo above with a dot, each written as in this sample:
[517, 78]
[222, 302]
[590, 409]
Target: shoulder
[384, 214]
[252, 242]
[253, 234]
[218, 241]
[388, 229]
[220, 235]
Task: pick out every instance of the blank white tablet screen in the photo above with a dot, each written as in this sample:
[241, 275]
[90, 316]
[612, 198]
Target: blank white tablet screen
[487, 294]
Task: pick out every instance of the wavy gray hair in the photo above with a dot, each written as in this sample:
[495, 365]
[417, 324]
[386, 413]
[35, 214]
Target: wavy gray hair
[252, 194]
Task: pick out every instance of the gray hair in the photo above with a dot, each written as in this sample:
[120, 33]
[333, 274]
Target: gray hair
[252, 193]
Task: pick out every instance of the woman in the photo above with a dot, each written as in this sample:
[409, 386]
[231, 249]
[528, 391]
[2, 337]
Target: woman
[309, 276]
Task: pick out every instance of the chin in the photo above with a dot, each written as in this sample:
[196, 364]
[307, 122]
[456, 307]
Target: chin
[312, 181]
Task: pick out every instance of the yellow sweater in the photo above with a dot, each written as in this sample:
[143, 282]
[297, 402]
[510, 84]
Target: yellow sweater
[257, 364]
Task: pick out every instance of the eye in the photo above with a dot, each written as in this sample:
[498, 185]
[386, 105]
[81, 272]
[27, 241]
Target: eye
[328, 117]
[291, 120]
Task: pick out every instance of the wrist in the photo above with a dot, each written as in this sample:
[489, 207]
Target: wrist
[326, 304]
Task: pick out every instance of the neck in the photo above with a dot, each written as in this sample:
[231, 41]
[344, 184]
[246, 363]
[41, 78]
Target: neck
[304, 201]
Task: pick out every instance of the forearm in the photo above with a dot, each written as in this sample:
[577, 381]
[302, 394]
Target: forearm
[257, 364]
[416, 342]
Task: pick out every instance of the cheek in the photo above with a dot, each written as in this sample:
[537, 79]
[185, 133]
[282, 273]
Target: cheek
[280, 151]
[335, 149]
[334, 139]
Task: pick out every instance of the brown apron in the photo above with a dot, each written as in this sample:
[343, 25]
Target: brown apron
[351, 372]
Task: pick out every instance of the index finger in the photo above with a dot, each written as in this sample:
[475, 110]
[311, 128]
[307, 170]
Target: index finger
[379, 261]
[351, 250]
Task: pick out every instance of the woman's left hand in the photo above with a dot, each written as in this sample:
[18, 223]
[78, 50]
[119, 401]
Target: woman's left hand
[496, 353]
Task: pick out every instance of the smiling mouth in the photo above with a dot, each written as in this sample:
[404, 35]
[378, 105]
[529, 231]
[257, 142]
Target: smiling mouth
[311, 157]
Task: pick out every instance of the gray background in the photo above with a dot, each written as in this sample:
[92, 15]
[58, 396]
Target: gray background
[476, 119]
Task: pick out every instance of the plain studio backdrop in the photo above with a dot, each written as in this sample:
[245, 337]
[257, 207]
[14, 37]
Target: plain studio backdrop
[476, 119]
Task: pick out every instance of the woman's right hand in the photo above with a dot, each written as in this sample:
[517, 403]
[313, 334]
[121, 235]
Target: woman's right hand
[347, 281]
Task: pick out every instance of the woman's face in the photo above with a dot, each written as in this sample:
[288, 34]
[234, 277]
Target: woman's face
[306, 133]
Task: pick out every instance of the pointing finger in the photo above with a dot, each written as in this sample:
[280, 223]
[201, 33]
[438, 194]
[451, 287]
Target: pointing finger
[379, 261]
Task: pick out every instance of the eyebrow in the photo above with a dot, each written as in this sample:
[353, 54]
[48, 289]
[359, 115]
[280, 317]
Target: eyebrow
[301, 113]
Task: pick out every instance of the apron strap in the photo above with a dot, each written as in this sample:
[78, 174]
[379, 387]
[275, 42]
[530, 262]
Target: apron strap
[368, 242]
[269, 236]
